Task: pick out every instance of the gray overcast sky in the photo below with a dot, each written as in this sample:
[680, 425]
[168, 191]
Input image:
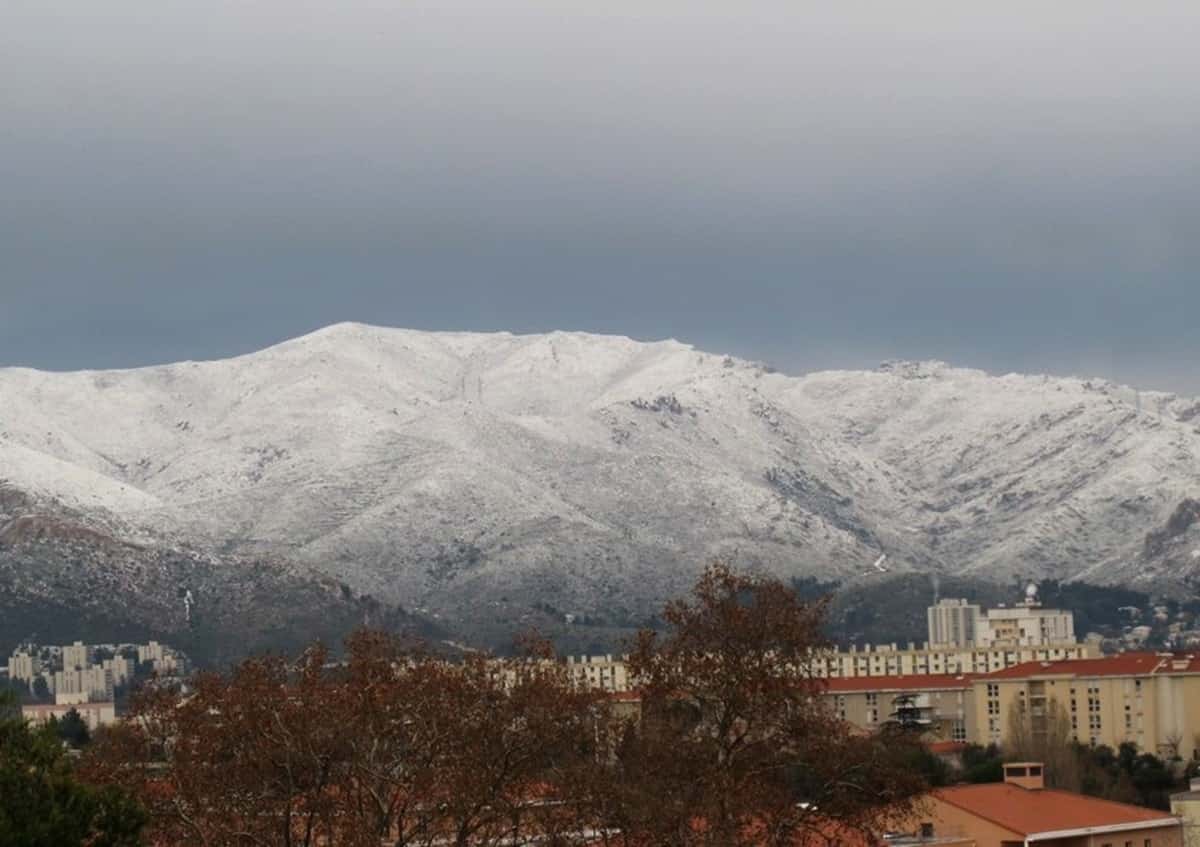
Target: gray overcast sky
[1012, 186]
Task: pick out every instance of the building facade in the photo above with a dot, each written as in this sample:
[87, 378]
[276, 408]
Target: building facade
[95, 715]
[953, 623]
[1025, 626]
[76, 656]
[23, 667]
[942, 705]
[1149, 699]
[890, 660]
[603, 673]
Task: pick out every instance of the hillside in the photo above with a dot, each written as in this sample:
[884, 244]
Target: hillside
[492, 481]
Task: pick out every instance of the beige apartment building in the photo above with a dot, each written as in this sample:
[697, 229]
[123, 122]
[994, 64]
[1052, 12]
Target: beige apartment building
[95, 715]
[889, 660]
[94, 683]
[1150, 699]
[954, 622]
[23, 667]
[76, 656]
[603, 673]
[943, 703]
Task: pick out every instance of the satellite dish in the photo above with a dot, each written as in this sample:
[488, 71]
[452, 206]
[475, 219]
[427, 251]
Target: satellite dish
[1031, 592]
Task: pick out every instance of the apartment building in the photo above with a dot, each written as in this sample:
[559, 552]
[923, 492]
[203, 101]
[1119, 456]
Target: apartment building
[1150, 699]
[1025, 626]
[890, 660]
[120, 668]
[603, 673]
[23, 667]
[76, 656]
[163, 659]
[943, 704]
[90, 683]
[95, 715]
[955, 623]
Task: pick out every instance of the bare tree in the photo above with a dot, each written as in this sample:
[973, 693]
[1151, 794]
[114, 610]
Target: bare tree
[1042, 733]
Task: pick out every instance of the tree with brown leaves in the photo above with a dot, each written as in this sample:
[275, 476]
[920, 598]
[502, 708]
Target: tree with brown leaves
[736, 744]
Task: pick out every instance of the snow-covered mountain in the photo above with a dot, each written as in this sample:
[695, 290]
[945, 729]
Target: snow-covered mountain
[473, 476]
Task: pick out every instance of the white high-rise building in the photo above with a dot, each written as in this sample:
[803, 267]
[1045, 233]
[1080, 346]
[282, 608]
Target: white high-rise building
[957, 623]
[77, 656]
[953, 623]
[1026, 626]
[92, 684]
[120, 668]
[23, 667]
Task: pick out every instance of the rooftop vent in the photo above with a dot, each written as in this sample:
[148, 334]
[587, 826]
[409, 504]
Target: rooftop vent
[1028, 775]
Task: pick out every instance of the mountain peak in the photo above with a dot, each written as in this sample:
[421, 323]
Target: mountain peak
[595, 474]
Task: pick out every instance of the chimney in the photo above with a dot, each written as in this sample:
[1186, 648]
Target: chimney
[1028, 775]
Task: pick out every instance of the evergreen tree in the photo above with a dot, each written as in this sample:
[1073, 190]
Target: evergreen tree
[42, 804]
[74, 730]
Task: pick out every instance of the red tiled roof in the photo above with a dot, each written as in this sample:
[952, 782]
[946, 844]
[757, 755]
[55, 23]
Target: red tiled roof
[912, 682]
[1026, 811]
[947, 746]
[1122, 664]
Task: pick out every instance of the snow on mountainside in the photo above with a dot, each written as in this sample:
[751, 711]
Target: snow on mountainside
[474, 475]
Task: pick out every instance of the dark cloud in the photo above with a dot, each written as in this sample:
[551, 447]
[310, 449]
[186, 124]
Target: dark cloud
[1011, 188]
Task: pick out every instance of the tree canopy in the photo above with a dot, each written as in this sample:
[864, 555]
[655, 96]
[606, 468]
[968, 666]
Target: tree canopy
[44, 804]
[729, 742]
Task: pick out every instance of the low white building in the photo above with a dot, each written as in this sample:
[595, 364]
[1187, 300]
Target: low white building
[95, 715]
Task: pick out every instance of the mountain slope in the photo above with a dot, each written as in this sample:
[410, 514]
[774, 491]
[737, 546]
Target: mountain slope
[475, 475]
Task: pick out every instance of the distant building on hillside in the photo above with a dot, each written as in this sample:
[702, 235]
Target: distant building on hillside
[23, 667]
[954, 622]
[601, 673]
[76, 656]
[95, 715]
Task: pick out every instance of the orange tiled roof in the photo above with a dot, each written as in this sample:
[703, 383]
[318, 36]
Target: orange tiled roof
[911, 682]
[1122, 664]
[1026, 812]
[947, 746]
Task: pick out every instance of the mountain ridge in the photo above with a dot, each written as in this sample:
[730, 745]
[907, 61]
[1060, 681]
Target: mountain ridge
[470, 475]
